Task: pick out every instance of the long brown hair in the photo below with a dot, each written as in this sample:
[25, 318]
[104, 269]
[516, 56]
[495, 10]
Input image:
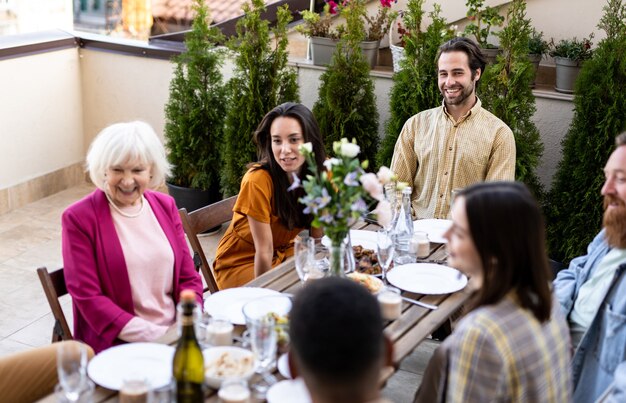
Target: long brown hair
[286, 204]
[507, 227]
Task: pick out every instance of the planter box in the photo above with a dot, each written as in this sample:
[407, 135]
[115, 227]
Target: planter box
[322, 50]
[566, 73]
[534, 59]
[490, 54]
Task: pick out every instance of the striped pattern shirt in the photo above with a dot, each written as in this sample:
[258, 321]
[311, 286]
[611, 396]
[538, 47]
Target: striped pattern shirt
[435, 154]
[501, 353]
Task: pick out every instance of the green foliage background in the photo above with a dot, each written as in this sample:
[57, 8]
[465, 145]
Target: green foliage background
[346, 106]
[415, 86]
[261, 81]
[194, 116]
[574, 204]
[505, 91]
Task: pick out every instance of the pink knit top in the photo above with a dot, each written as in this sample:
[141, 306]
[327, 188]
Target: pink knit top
[150, 263]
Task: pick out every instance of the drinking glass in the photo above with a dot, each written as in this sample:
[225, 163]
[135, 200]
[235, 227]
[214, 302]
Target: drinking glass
[384, 250]
[304, 250]
[72, 369]
[263, 340]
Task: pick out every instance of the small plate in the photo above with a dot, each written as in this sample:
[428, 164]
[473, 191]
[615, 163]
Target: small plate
[152, 360]
[229, 303]
[427, 278]
[366, 239]
[435, 228]
[283, 366]
[289, 391]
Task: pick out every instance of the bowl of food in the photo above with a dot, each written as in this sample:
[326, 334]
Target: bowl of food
[373, 284]
[225, 362]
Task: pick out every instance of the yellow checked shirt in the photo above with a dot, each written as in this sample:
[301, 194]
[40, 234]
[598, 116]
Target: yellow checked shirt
[435, 154]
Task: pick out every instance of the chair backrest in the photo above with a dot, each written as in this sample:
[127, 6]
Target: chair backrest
[199, 221]
[53, 284]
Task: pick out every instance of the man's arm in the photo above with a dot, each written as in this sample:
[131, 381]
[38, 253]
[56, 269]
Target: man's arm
[502, 159]
[404, 161]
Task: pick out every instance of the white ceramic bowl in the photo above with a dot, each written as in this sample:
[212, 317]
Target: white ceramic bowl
[214, 374]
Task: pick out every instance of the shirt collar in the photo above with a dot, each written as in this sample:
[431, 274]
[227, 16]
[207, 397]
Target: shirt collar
[473, 111]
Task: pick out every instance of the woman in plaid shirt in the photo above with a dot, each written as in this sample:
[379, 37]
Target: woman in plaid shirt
[513, 345]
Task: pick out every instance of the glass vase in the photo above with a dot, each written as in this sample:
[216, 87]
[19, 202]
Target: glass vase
[341, 257]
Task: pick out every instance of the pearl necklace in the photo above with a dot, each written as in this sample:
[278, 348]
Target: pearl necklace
[128, 215]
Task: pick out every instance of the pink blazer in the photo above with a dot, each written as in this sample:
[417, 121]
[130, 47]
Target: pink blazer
[95, 270]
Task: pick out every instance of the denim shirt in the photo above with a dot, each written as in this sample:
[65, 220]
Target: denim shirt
[603, 346]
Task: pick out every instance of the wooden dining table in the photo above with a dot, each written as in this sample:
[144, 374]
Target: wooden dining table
[406, 333]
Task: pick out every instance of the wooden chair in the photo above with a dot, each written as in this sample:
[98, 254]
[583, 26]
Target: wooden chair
[54, 287]
[199, 221]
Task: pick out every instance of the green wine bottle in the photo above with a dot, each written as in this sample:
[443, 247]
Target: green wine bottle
[188, 366]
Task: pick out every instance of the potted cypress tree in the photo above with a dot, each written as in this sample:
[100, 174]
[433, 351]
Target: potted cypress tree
[505, 90]
[569, 55]
[574, 204]
[194, 116]
[261, 81]
[346, 106]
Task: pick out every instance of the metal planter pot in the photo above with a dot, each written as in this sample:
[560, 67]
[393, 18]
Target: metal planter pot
[567, 71]
[322, 50]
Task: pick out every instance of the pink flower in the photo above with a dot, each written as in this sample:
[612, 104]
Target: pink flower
[383, 213]
[387, 3]
[332, 6]
[372, 185]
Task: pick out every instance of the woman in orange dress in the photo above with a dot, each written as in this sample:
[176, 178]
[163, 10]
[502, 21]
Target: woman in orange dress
[267, 214]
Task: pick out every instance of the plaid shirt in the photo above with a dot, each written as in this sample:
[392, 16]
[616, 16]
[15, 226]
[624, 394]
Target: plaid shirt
[435, 154]
[501, 353]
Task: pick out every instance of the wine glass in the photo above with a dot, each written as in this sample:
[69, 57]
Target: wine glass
[72, 369]
[384, 250]
[263, 340]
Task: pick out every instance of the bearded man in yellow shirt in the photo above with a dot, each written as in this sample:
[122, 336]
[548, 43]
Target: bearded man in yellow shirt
[456, 144]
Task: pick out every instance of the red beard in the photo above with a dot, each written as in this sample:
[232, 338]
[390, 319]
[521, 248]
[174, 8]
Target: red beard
[614, 222]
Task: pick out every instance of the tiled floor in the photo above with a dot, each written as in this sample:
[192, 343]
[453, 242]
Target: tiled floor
[31, 237]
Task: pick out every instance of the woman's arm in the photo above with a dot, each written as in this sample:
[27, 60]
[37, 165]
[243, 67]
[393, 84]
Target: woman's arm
[263, 245]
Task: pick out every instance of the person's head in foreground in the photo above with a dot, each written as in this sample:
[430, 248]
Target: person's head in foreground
[460, 64]
[337, 341]
[124, 160]
[614, 192]
[498, 239]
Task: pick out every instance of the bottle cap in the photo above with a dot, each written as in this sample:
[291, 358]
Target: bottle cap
[187, 296]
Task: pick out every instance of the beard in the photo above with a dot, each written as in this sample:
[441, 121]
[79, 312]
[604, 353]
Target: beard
[614, 222]
[462, 97]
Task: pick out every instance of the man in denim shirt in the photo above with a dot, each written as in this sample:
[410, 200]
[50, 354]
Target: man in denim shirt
[592, 291]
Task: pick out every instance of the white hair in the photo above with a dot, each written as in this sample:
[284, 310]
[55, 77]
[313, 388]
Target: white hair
[123, 142]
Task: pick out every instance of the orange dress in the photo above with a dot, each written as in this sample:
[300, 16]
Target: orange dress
[234, 259]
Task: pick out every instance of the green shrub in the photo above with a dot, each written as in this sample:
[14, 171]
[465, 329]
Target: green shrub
[194, 116]
[415, 86]
[505, 91]
[261, 81]
[481, 20]
[536, 44]
[346, 106]
[574, 204]
[572, 49]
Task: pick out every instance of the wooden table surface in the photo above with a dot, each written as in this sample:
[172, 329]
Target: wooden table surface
[406, 333]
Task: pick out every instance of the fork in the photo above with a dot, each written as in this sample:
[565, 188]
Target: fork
[419, 303]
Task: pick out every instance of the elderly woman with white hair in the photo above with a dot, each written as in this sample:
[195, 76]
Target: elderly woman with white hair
[124, 250]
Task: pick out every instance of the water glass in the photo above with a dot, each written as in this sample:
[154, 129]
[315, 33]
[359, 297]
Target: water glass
[72, 369]
[234, 390]
[263, 340]
[304, 249]
[135, 389]
[384, 250]
[390, 302]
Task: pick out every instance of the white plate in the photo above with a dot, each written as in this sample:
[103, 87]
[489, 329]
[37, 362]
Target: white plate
[283, 366]
[427, 278]
[150, 360]
[366, 239]
[290, 391]
[228, 303]
[434, 227]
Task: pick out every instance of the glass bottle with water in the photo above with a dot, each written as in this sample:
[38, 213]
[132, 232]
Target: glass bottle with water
[403, 231]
